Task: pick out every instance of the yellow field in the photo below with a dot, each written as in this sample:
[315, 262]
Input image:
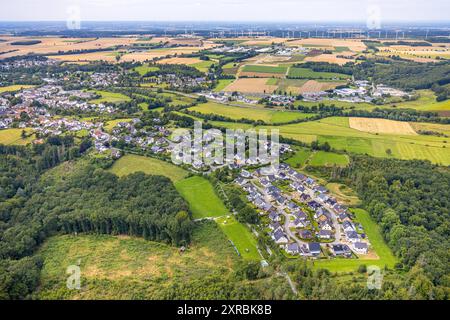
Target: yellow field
[353, 44]
[13, 88]
[251, 85]
[107, 56]
[13, 137]
[178, 60]
[52, 45]
[381, 126]
[316, 86]
[331, 58]
[418, 54]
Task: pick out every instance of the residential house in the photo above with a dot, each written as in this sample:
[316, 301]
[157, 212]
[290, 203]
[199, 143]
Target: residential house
[274, 216]
[348, 226]
[293, 248]
[279, 237]
[360, 247]
[325, 234]
[341, 250]
[314, 248]
[325, 225]
[352, 236]
[305, 234]
[274, 226]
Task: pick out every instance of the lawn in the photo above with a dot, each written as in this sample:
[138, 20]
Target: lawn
[14, 88]
[222, 84]
[328, 159]
[264, 69]
[237, 113]
[386, 257]
[300, 157]
[113, 123]
[202, 66]
[110, 264]
[132, 163]
[340, 136]
[242, 238]
[203, 201]
[14, 137]
[110, 97]
[426, 102]
[305, 73]
[144, 69]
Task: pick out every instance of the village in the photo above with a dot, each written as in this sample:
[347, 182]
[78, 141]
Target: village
[301, 216]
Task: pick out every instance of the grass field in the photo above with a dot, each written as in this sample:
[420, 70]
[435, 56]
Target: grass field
[240, 236]
[264, 69]
[385, 255]
[111, 124]
[322, 158]
[110, 264]
[203, 201]
[304, 73]
[110, 97]
[203, 66]
[266, 115]
[144, 69]
[132, 163]
[300, 157]
[339, 135]
[426, 102]
[222, 84]
[14, 88]
[337, 132]
[14, 137]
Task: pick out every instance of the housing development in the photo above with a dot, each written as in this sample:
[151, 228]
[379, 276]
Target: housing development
[224, 161]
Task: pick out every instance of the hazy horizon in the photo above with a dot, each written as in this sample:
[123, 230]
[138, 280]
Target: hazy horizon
[225, 11]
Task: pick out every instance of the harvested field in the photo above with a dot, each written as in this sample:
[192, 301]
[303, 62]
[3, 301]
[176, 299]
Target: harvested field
[160, 53]
[108, 56]
[316, 86]
[53, 45]
[381, 126]
[251, 85]
[178, 60]
[354, 45]
[331, 58]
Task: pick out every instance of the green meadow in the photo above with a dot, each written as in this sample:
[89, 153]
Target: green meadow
[322, 158]
[203, 201]
[110, 97]
[264, 69]
[129, 164]
[305, 73]
[109, 264]
[222, 84]
[241, 237]
[252, 113]
[337, 132]
[144, 69]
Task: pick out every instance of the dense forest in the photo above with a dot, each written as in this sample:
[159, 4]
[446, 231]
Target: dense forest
[37, 205]
[411, 201]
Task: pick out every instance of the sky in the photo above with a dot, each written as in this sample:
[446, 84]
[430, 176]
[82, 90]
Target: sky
[225, 10]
